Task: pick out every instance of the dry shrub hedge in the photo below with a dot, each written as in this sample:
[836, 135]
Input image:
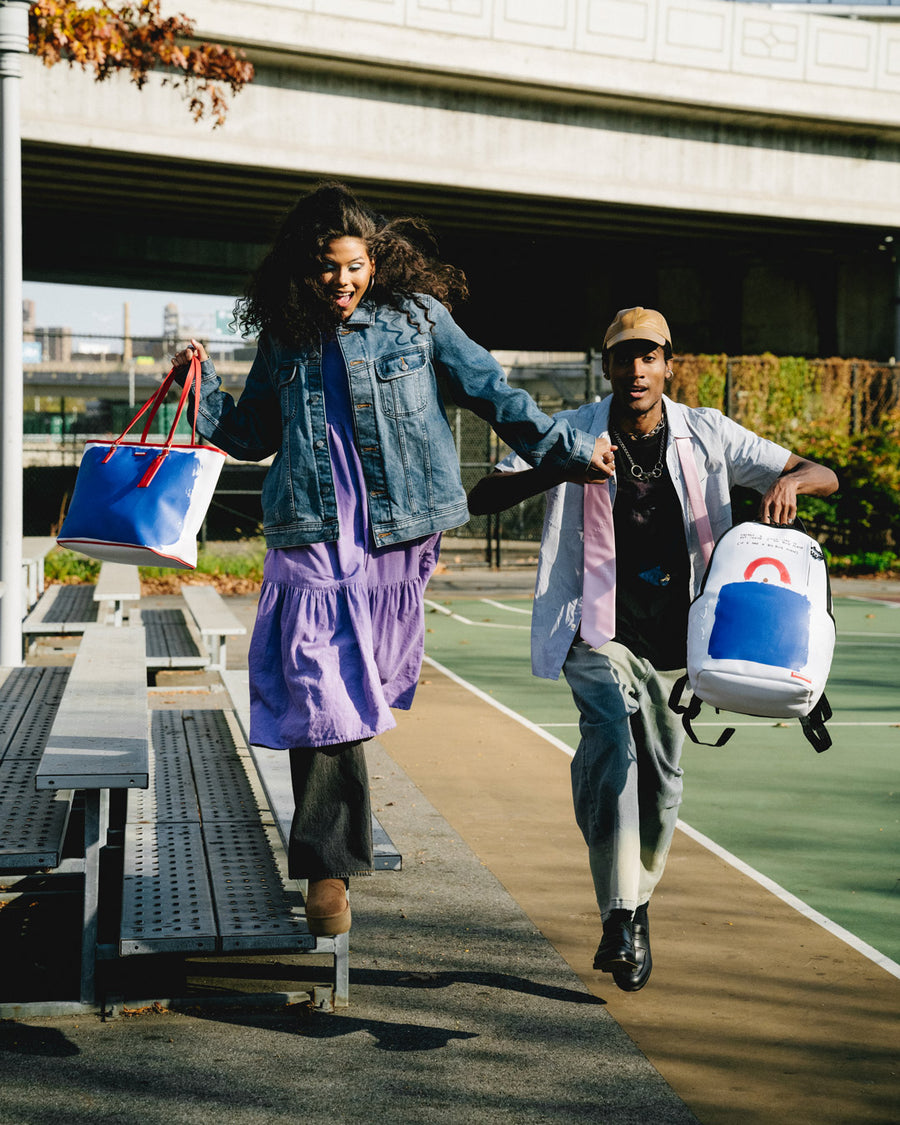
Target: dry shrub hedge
[842, 412]
[788, 398]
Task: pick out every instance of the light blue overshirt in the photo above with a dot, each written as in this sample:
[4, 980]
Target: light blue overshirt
[727, 454]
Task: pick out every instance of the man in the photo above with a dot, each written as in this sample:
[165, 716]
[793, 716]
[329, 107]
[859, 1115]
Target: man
[626, 777]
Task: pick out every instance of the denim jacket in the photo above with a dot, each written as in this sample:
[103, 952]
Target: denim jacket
[403, 438]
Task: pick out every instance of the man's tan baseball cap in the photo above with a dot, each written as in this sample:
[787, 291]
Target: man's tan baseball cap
[637, 324]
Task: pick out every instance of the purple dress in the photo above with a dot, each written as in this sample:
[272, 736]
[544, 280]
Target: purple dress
[340, 629]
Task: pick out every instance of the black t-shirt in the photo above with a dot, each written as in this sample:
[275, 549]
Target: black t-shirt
[652, 567]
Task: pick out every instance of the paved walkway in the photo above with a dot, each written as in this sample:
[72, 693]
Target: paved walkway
[472, 996]
[461, 1012]
[753, 1013]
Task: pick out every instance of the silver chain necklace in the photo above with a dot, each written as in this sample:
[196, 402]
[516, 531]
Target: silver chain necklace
[636, 471]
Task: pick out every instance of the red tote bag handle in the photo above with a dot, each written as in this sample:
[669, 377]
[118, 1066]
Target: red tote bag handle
[153, 403]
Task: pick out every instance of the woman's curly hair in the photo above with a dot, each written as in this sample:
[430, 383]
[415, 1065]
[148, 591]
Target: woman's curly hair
[285, 297]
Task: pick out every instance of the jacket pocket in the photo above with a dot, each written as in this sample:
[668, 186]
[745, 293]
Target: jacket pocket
[403, 381]
[287, 383]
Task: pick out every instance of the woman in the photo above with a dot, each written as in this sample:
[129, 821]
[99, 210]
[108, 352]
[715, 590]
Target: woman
[352, 316]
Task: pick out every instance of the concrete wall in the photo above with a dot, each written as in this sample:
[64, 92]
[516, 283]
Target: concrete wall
[739, 162]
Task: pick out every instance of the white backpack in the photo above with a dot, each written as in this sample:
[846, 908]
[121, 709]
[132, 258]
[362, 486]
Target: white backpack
[761, 632]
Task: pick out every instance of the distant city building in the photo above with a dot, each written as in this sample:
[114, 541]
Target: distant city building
[46, 343]
[56, 343]
[171, 325]
[32, 350]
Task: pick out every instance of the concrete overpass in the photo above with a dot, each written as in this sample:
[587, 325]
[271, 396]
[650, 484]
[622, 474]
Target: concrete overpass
[734, 163]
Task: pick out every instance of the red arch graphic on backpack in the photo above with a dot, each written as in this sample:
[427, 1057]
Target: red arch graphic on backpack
[783, 572]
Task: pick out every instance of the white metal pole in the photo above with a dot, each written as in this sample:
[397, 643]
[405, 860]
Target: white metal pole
[13, 45]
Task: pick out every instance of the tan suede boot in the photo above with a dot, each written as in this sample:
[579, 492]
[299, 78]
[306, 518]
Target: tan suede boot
[327, 907]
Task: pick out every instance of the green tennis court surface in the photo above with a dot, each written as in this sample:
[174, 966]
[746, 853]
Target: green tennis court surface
[826, 827]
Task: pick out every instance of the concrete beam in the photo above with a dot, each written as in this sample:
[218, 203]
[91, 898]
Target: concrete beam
[704, 55]
[324, 125]
[733, 150]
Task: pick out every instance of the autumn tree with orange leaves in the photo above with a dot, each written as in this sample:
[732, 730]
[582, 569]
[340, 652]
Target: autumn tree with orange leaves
[137, 39]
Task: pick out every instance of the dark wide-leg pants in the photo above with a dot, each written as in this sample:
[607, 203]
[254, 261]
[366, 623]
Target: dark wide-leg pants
[331, 831]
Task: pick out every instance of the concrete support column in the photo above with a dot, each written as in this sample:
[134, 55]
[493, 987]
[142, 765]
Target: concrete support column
[13, 44]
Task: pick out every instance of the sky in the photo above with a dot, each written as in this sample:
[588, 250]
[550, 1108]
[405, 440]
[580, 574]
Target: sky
[98, 311]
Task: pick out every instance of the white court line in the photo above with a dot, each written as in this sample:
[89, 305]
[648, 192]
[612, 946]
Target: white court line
[439, 608]
[871, 601]
[895, 723]
[725, 722]
[519, 609]
[791, 900]
[468, 621]
[839, 640]
[774, 888]
[527, 723]
[850, 633]
[865, 644]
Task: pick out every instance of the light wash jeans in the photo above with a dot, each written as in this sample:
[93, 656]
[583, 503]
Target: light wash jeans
[626, 777]
[331, 831]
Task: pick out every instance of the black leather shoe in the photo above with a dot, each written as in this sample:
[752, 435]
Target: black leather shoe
[633, 979]
[616, 949]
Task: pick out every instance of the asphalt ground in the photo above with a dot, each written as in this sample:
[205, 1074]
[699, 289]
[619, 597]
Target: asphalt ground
[825, 826]
[472, 996]
[758, 1009]
[461, 1011]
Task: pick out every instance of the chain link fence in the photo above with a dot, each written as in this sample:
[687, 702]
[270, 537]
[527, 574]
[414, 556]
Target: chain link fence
[479, 449]
[775, 397]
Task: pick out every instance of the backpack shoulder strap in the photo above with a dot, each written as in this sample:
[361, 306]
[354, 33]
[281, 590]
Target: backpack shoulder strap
[689, 711]
[813, 725]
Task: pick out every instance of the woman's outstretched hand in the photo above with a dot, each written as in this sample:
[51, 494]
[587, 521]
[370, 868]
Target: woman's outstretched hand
[602, 466]
[184, 357]
[603, 462]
